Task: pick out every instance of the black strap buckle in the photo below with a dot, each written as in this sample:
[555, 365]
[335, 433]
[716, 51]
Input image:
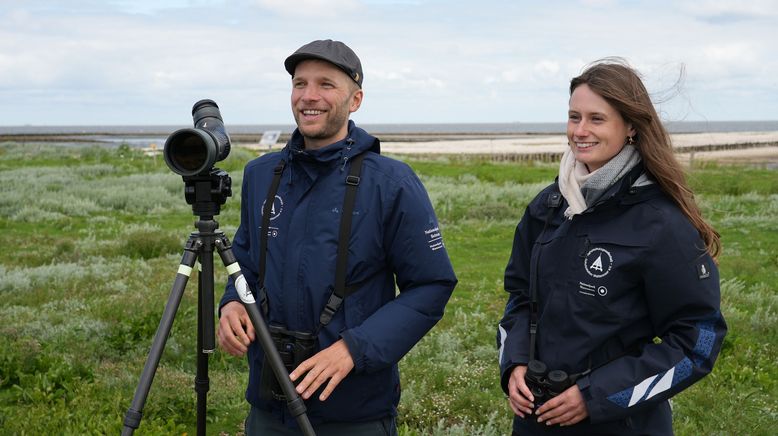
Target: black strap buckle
[352, 180]
[533, 328]
[330, 308]
[263, 304]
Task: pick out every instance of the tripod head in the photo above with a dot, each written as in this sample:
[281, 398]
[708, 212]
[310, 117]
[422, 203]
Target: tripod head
[207, 192]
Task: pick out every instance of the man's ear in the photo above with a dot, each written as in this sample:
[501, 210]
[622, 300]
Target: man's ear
[356, 100]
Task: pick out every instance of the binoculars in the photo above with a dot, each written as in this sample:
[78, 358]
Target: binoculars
[294, 348]
[545, 384]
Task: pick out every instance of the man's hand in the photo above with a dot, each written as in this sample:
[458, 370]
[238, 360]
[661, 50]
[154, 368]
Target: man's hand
[567, 408]
[520, 398]
[235, 329]
[333, 363]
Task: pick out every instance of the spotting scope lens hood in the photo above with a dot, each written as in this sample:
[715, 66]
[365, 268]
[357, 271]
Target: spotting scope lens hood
[190, 152]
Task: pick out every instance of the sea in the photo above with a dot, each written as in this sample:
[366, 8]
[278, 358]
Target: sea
[143, 136]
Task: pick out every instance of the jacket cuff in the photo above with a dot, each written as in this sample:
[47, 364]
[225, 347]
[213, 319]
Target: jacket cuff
[595, 414]
[354, 348]
[230, 294]
[506, 376]
[224, 303]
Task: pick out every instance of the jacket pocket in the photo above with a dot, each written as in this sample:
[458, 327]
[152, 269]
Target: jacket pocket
[607, 275]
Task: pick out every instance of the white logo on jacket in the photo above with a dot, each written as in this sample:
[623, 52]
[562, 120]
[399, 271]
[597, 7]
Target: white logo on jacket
[598, 263]
[275, 209]
[591, 290]
[434, 239]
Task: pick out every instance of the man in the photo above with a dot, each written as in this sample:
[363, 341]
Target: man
[350, 384]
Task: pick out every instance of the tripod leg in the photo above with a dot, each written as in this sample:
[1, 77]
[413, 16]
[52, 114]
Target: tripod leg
[207, 327]
[135, 412]
[202, 383]
[294, 401]
[206, 342]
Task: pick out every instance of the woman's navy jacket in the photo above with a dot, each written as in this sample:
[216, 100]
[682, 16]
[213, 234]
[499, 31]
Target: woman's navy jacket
[395, 244]
[628, 270]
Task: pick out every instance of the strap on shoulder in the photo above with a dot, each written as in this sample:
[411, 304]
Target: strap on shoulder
[266, 209]
[341, 291]
[553, 201]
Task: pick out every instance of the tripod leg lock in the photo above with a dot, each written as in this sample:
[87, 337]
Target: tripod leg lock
[296, 406]
[202, 385]
[132, 418]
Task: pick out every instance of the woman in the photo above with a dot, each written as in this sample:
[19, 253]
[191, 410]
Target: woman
[612, 277]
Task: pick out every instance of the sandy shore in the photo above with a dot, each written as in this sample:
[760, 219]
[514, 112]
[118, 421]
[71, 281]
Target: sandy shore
[558, 143]
[757, 155]
[745, 147]
[731, 146]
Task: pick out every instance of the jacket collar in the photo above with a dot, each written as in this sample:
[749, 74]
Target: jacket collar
[356, 141]
[313, 162]
[624, 192]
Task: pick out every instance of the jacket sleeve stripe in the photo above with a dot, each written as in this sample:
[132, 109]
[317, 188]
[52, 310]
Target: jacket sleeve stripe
[503, 336]
[704, 345]
[681, 371]
[656, 384]
[664, 383]
[639, 391]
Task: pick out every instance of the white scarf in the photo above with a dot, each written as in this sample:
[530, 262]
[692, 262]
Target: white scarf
[581, 188]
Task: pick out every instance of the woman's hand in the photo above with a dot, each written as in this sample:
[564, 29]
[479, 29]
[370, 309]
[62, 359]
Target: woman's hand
[520, 398]
[567, 408]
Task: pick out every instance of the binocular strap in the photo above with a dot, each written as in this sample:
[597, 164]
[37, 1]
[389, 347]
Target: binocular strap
[340, 290]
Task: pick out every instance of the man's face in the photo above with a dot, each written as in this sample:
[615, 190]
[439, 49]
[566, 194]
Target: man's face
[323, 97]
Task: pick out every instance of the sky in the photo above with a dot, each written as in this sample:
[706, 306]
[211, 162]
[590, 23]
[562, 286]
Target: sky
[145, 62]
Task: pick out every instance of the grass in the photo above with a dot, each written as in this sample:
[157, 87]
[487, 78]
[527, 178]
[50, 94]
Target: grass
[93, 237]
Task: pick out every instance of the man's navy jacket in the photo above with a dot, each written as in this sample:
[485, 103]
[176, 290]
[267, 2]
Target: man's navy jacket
[625, 288]
[395, 243]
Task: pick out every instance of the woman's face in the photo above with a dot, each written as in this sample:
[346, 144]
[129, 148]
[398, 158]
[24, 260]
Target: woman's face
[595, 130]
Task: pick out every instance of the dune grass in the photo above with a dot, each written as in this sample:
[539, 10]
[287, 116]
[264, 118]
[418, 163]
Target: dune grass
[93, 238]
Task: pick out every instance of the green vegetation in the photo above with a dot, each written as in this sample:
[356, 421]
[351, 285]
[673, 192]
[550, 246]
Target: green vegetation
[93, 237]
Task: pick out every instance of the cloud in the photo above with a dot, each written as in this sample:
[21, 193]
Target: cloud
[736, 53]
[727, 11]
[426, 60]
[405, 78]
[315, 8]
[598, 3]
[546, 67]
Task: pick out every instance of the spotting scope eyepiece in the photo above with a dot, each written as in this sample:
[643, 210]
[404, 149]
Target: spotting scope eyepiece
[190, 152]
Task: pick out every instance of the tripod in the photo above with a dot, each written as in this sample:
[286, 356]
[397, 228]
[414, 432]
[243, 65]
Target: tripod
[206, 194]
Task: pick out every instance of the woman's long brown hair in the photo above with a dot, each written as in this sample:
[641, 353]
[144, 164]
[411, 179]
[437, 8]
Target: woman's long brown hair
[619, 84]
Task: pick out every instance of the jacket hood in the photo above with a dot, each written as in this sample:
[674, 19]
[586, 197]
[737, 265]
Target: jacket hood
[357, 141]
